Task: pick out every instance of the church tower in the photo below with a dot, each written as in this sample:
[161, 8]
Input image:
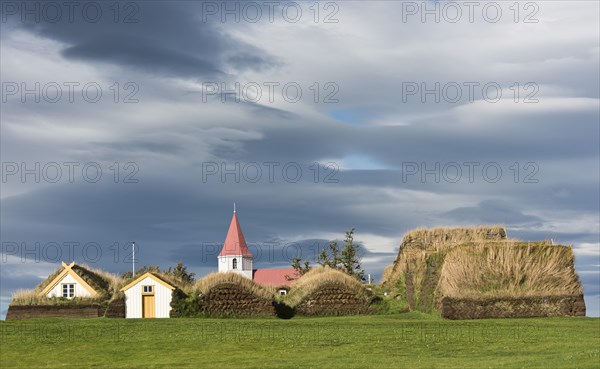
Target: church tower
[235, 255]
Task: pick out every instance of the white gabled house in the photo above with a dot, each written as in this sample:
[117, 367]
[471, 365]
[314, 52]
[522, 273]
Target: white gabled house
[68, 284]
[148, 297]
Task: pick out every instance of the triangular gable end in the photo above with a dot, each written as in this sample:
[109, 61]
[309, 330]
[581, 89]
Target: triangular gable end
[68, 271]
[145, 275]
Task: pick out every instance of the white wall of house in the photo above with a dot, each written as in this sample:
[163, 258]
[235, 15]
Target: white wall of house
[244, 265]
[162, 299]
[80, 291]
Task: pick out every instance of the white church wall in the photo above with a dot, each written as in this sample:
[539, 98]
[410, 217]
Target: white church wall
[244, 265]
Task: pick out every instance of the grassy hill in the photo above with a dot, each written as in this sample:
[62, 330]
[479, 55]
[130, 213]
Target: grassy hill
[411, 340]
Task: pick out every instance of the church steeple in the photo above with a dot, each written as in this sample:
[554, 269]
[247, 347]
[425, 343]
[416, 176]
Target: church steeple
[235, 255]
[235, 244]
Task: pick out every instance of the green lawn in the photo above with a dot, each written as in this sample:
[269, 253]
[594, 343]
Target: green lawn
[410, 340]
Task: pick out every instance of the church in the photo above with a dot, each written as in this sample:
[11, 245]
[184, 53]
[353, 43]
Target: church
[236, 257]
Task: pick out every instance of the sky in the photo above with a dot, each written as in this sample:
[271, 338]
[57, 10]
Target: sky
[145, 121]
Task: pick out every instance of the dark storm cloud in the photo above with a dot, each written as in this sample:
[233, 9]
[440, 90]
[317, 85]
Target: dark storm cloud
[11, 282]
[172, 207]
[564, 192]
[491, 212]
[162, 38]
[446, 139]
[142, 53]
[133, 145]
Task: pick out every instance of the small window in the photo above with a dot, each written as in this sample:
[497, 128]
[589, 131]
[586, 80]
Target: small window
[148, 289]
[68, 290]
[234, 263]
[282, 292]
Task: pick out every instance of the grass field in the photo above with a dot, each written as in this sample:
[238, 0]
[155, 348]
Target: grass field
[410, 340]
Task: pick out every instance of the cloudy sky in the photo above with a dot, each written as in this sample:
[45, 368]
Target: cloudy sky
[146, 121]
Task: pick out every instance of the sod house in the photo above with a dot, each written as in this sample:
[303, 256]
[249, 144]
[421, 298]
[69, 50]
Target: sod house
[477, 272]
[70, 283]
[70, 291]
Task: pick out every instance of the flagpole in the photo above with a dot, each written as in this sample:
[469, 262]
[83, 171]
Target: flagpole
[133, 258]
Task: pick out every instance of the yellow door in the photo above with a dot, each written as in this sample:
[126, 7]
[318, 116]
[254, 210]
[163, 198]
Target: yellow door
[148, 306]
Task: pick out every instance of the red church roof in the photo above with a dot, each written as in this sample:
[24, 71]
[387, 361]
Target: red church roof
[274, 277]
[235, 244]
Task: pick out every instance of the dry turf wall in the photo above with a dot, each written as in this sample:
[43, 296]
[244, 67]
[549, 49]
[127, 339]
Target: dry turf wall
[16, 312]
[231, 294]
[523, 307]
[333, 299]
[116, 308]
[230, 299]
[327, 291]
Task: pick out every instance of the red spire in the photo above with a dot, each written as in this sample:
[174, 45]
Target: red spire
[235, 244]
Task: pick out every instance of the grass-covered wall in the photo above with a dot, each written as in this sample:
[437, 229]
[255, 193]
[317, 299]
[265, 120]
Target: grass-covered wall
[480, 267]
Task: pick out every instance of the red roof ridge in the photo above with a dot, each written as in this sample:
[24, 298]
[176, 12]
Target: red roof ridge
[275, 276]
[235, 244]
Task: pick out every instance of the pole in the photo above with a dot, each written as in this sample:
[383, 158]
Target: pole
[133, 258]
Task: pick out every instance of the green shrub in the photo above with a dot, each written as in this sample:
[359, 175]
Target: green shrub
[184, 306]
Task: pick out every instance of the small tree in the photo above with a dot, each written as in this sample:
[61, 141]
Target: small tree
[332, 261]
[299, 268]
[180, 273]
[348, 261]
